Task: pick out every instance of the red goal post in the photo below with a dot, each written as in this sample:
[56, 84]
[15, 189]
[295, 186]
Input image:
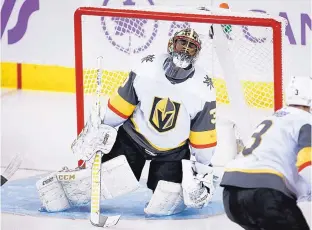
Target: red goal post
[224, 18]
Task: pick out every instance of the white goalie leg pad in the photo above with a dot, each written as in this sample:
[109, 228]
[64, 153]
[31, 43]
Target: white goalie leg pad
[51, 194]
[117, 178]
[166, 200]
[77, 185]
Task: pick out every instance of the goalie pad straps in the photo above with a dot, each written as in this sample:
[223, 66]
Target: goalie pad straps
[166, 200]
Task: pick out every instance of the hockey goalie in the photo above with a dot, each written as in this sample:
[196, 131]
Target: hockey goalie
[164, 112]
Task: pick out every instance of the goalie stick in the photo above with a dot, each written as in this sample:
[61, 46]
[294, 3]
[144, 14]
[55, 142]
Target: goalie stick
[96, 218]
[11, 168]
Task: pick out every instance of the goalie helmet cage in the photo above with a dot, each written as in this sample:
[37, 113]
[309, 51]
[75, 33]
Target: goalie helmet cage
[246, 70]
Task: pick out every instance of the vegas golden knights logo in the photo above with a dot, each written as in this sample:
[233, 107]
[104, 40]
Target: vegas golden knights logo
[164, 114]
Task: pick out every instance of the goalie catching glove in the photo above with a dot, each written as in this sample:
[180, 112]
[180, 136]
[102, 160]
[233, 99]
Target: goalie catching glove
[198, 184]
[95, 136]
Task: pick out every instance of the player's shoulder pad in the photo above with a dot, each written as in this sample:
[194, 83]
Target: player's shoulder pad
[202, 84]
[302, 115]
[304, 137]
[149, 64]
[306, 128]
[298, 117]
[306, 120]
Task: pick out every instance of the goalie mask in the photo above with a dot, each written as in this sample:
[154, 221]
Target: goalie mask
[183, 49]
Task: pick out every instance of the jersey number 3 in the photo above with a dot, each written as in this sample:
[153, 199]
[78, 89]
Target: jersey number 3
[257, 137]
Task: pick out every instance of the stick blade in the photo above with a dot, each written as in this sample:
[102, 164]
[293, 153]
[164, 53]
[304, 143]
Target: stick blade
[112, 220]
[105, 221]
[13, 166]
[98, 221]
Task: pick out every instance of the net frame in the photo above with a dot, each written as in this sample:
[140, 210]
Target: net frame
[165, 15]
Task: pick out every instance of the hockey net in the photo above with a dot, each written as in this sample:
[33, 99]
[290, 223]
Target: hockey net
[244, 58]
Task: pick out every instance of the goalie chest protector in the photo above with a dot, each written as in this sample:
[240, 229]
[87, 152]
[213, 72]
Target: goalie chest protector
[165, 111]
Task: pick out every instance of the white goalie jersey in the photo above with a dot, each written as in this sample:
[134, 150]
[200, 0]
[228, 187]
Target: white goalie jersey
[161, 115]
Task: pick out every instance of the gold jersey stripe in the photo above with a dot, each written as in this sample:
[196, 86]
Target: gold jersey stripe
[203, 138]
[304, 156]
[255, 171]
[121, 105]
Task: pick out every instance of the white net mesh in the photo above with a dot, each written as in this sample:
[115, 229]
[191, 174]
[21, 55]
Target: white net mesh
[122, 42]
